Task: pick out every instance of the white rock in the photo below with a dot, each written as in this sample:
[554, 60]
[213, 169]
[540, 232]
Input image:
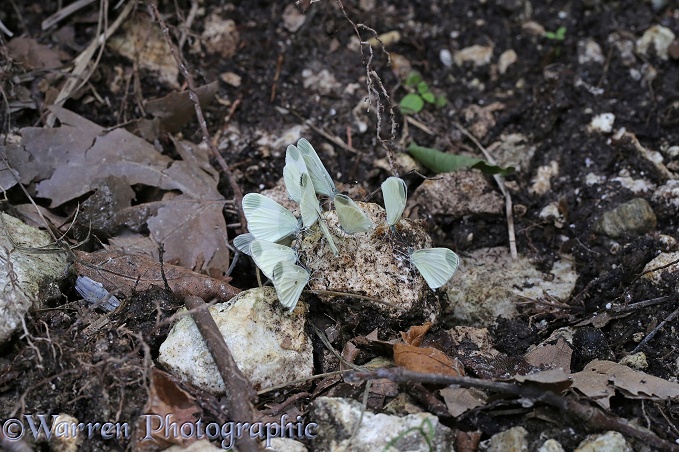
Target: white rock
[636, 361]
[507, 58]
[493, 283]
[551, 445]
[293, 19]
[284, 445]
[590, 52]
[593, 179]
[268, 343]
[513, 149]
[323, 82]
[602, 123]
[661, 261]
[446, 57]
[658, 36]
[476, 54]
[338, 418]
[65, 435]
[28, 279]
[513, 439]
[608, 442]
[373, 264]
[634, 185]
[667, 197]
[551, 213]
[541, 184]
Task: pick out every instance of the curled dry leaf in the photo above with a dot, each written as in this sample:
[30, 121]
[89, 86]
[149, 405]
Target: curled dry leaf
[415, 334]
[128, 273]
[426, 359]
[165, 399]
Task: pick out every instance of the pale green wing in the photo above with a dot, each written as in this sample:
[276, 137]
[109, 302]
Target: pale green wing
[242, 242]
[309, 207]
[268, 220]
[289, 281]
[320, 178]
[267, 254]
[351, 217]
[311, 211]
[436, 265]
[292, 171]
[395, 192]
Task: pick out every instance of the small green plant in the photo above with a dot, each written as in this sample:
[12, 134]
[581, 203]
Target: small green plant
[558, 35]
[414, 102]
[426, 429]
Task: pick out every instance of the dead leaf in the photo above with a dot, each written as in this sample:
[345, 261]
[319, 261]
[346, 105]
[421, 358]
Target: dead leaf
[168, 402]
[191, 226]
[32, 55]
[141, 43]
[426, 359]
[599, 380]
[128, 273]
[551, 356]
[415, 334]
[461, 400]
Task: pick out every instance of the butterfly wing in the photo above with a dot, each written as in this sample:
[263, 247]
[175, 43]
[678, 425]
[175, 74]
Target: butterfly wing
[436, 265]
[268, 220]
[267, 254]
[351, 217]
[309, 207]
[320, 178]
[395, 192]
[242, 242]
[293, 170]
[289, 281]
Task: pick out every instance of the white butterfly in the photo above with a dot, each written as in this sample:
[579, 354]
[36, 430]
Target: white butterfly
[242, 242]
[268, 220]
[436, 265]
[292, 172]
[320, 178]
[268, 254]
[351, 217]
[395, 192]
[289, 281]
[310, 210]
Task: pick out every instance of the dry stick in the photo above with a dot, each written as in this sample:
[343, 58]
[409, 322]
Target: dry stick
[237, 193]
[239, 392]
[64, 13]
[655, 331]
[592, 416]
[501, 183]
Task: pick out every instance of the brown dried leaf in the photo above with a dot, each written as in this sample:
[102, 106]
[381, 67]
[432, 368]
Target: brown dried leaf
[191, 226]
[426, 359]
[128, 273]
[165, 399]
[415, 334]
[551, 356]
[32, 55]
[461, 400]
[599, 379]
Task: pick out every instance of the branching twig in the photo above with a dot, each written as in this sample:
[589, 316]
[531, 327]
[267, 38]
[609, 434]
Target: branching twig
[593, 417]
[237, 192]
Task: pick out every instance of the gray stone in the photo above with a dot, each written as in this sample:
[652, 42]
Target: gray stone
[633, 217]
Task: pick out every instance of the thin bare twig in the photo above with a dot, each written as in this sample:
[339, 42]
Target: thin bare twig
[239, 392]
[592, 416]
[237, 192]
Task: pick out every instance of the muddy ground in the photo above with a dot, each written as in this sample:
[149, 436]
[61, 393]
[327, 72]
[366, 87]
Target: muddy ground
[311, 73]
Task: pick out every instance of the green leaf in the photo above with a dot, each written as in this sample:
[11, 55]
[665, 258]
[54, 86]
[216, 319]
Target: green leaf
[560, 33]
[411, 104]
[550, 35]
[413, 79]
[429, 97]
[441, 101]
[422, 87]
[442, 162]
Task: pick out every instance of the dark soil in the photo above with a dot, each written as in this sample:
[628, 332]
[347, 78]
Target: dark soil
[547, 96]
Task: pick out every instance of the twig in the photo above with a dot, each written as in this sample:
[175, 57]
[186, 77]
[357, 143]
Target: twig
[239, 392]
[655, 331]
[237, 193]
[501, 183]
[590, 415]
[63, 13]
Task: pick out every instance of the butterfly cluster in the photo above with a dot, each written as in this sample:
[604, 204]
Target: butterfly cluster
[305, 177]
